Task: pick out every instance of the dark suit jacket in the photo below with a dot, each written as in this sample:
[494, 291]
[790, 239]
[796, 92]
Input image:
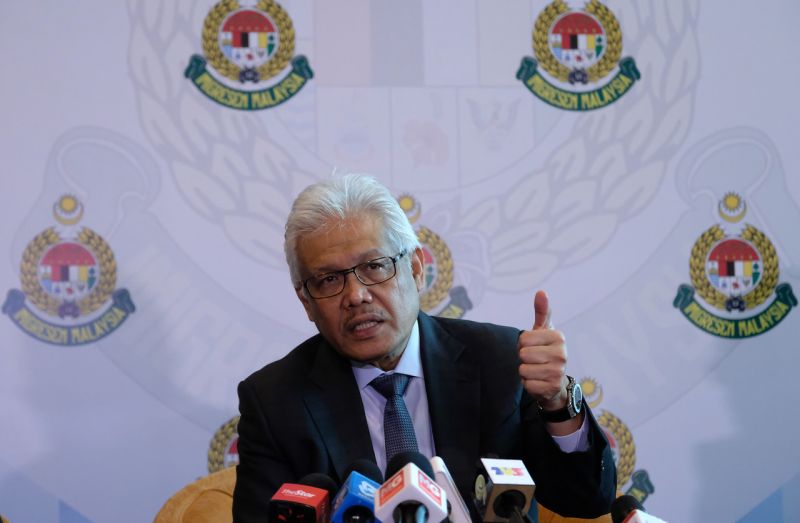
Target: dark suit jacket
[304, 414]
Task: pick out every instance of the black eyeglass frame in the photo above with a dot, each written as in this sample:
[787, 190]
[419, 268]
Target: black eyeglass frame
[345, 272]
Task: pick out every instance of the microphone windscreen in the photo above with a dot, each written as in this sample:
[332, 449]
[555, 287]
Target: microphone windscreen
[622, 506]
[402, 459]
[319, 480]
[355, 501]
[366, 468]
[408, 489]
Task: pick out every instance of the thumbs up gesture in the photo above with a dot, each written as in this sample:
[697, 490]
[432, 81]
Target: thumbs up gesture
[543, 357]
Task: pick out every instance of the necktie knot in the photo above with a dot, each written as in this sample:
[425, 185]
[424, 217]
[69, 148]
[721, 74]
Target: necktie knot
[389, 385]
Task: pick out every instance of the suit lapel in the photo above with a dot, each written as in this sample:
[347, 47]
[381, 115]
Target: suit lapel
[333, 399]
[453, 389]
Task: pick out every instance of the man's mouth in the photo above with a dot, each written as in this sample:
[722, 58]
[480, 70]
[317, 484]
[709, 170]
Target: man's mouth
[364, 326]
[364, 323]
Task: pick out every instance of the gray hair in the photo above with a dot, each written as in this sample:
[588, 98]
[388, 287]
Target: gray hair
[340, 198]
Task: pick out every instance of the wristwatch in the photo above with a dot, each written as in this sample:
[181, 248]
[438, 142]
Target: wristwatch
[574, 404]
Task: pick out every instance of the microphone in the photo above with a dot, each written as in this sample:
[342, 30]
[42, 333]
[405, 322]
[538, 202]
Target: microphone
[355, 502]
[307, 501]
[457, 508]
[627, 509]
[410, 494]
[503, 490]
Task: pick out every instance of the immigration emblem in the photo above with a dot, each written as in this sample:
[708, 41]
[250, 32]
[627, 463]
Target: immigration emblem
[244, 49]
[223, 452]
[69, 277]
[734, 270]
[620, 440]
[577, 64]
[439, 297]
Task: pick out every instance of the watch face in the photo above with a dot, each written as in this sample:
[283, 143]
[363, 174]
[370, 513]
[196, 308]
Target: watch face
[577, 397]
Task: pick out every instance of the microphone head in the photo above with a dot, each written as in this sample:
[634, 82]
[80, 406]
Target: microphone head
[367, 468]
[622, 506]
[502, 486]
[410, 488]
[402, 459]
[306, 501]
[321, 481]
[356, 499]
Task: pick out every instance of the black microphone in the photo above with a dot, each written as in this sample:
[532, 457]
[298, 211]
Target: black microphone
[410, 494]
[355, 502]
[622, 506]
[307, 501]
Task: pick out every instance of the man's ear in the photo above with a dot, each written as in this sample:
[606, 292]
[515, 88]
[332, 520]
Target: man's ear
[418, 268]
[305, 301]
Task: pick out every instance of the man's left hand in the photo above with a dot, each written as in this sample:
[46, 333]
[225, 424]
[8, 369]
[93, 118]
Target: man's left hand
[543, 356]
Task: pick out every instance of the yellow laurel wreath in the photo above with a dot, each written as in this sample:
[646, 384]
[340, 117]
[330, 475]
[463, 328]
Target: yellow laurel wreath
[541, 36]
[769, 279]
[701, 283]
[697, 267]
[613, 50]
[220, 62]
[627, 449]
[219, 444]
[444, 269]
[29, 273]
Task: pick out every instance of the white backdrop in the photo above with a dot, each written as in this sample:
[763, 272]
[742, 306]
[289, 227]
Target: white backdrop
[600, 208]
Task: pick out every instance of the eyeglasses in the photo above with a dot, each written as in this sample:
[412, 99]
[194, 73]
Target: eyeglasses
[370, 272]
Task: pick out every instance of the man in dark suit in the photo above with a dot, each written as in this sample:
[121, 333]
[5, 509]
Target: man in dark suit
[472, 389]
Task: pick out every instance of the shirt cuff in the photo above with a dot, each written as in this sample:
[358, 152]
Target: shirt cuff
[578, 441]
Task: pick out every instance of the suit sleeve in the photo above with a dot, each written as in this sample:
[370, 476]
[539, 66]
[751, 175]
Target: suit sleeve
[576, 484]
[573, 484]
[261, 469]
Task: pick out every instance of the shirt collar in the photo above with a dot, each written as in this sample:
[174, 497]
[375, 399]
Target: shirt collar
[410, 362]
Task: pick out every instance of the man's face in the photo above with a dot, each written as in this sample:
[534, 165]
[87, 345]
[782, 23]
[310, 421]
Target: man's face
[367, 324]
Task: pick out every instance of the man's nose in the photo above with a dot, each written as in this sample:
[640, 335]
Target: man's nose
[356, 292]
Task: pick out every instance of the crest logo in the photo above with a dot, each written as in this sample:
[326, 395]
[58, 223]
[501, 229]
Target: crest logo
[223, 452]
[734, 272]
[438, 277]
[577, 65]
[620, 440]
[245, 48]
[68, 278]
